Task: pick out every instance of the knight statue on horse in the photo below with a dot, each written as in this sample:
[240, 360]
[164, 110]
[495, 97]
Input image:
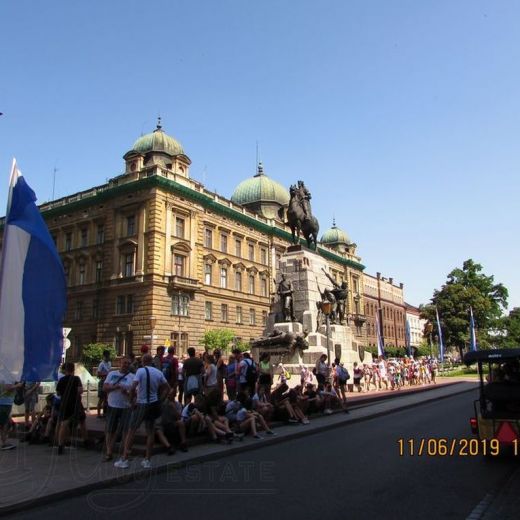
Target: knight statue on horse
[300, 217]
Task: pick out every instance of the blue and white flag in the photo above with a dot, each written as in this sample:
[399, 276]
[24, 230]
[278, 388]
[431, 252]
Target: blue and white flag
[380, 343]
[407, 338]
[441, 342]
[472, 335]
[33, 296]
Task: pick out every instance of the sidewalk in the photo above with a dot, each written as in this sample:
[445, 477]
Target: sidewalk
[34, 474]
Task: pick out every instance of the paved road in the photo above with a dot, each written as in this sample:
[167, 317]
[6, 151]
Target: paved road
[353, 471]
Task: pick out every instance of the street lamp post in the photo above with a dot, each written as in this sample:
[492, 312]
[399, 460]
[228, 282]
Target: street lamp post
[153, 321]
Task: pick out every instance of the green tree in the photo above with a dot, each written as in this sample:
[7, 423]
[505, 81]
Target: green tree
[217, 338]
[465, 288]
[509, 334]
[92, 353]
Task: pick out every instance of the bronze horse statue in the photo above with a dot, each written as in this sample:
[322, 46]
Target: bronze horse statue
[299, 221]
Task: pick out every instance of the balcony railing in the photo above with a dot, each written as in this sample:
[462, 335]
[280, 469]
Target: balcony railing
[182, 282]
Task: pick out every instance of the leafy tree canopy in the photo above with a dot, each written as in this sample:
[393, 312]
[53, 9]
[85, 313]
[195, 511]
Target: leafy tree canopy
[510, 330]
[217, 338]
[465, 288]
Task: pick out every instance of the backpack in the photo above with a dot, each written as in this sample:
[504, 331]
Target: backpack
[251, 372]
[19, 396]
[167, 369]
[343, 375]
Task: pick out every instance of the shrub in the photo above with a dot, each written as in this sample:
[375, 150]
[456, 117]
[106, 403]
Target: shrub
[93, 353]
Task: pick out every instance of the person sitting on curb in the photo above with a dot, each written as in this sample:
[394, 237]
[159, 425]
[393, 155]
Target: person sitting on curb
[194, 415]
[167, 424]
[294, 396]
[280, 401]
[311, 402]
[250, 421]
[330, 399]
[261, 403]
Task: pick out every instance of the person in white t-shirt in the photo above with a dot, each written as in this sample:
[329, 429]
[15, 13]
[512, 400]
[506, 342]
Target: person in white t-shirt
[148, 387]
[117, 386]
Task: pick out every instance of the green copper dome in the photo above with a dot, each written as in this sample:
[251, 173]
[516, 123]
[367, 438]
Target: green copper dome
[335, 235]
[260, 188]
[158, 141]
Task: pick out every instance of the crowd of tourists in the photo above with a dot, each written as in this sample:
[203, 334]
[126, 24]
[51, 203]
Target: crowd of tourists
[201, 395]
[394, 374]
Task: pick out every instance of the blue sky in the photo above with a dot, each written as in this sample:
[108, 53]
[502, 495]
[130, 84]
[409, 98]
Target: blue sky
[402, 117]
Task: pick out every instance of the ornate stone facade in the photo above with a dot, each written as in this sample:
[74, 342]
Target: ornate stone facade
[153, 249]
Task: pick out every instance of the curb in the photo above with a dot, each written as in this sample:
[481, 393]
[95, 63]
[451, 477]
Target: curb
[228, 450]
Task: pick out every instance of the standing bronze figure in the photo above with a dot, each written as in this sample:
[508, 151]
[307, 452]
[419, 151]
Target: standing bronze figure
[340, 293]
[285, 291]
[300, 217]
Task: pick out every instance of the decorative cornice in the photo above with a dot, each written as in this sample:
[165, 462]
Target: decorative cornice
[105, 193]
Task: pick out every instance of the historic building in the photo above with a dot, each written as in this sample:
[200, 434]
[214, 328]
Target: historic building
[384, 298]
[152, 256]
[416, 324]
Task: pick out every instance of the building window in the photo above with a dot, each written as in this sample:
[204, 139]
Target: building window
[95, 309]
[264, 318]
[223, 243]
[263, 286]
[179, 341]
[207, 273]
[278, 259]
[84, 237]
[238, 281]
[179, 227]
[263, 256]
[68, 241]
[252, 317]
[238, 248]
[125, 304]
[130, 225]
[99, 271]
[239, 314]
[81, 273]
[66, 270]
[78, 311]
[208, 311]
[224, 312]
[251, 284]
[223, 277]
[208, 238]
[100, 234]
[129, 264]
[180, 304]
[119, 343]
[251, 252]
[179, 262]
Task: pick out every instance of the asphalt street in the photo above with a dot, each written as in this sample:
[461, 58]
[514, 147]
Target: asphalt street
[353, 471]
